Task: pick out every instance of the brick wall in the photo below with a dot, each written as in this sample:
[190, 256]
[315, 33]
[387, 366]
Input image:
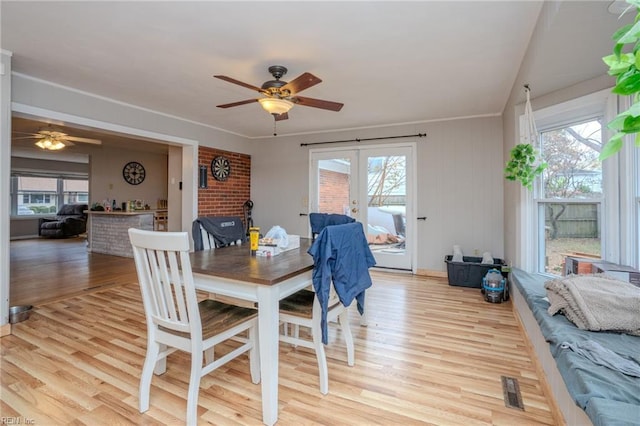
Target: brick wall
[108, 233]
[224, 198]
[334, 192]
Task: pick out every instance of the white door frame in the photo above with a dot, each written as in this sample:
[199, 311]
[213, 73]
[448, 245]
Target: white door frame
[411, 214]
[189, 172]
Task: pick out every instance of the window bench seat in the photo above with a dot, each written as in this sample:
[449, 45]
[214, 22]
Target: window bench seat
[584, 391]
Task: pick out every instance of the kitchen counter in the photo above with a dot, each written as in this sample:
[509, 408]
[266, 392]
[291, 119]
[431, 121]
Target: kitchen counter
[109, 231]
[123, 213]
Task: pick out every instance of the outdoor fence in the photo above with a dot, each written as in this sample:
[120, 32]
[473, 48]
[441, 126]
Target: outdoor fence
[577, 220]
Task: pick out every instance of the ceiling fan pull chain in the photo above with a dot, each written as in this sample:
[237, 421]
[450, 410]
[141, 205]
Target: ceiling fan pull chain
[274, 125]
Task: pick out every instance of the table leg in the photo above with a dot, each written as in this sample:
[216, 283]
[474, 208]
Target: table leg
[268, 312]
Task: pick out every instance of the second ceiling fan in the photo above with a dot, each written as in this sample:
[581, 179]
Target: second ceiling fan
[280, 96]
[54, 139]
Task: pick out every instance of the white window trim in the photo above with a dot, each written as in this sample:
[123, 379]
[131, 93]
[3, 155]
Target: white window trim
[59, 194]
[526, 228]
[632, 247]
[601, 103]
[629, 218]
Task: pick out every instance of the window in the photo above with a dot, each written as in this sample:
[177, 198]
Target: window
[569, 194]
[75, 191]
[580, 205]
[635, 233]
[42, 195]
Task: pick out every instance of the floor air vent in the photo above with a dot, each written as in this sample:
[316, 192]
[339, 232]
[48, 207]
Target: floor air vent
[511, 390]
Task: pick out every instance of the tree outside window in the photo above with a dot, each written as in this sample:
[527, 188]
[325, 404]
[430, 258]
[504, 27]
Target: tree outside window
[387, 178]
[571, 192]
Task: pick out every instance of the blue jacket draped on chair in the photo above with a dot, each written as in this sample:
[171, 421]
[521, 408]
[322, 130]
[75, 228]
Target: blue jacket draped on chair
[341, 254]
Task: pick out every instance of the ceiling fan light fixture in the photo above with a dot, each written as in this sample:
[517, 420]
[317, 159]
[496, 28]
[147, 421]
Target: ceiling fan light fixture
[50, 144]
[275, 105]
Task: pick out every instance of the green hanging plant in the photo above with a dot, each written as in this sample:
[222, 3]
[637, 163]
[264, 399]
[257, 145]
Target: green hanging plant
[523, 165]
[626, 68]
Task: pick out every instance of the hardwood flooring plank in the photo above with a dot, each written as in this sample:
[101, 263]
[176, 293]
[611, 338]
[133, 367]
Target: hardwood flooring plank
[432, 354]
[56, 385]
[18, 398]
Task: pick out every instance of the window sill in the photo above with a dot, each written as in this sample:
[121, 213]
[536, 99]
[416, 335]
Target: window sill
[27, 217]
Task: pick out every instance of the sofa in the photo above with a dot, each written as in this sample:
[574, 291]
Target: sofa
[70, 221]
[585, 393]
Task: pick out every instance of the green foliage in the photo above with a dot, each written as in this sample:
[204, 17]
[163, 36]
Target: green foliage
[522, 166]
[42, 209]
[625, 66]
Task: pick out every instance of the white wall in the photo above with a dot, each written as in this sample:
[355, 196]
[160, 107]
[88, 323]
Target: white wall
[517, 241]
[107, 181]
[460, 190]
[5, 173]
[174, 195]
[538, 70]
[459, 184]
[33, 98]
[41, 94]
[37, 98]
[459, 164]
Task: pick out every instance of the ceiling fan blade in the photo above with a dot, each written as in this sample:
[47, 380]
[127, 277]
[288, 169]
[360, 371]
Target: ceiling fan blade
[248, 101]
[280, 117]
[240, 83]
[27, 137]
[26, 133]
[301, 83]
[318, 103]
[84, 140]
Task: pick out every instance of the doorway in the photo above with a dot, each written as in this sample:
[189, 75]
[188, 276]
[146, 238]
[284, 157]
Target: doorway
[73, 262]
[376, 186]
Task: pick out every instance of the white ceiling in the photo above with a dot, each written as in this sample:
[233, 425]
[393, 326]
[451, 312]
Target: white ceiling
[23, 144]
[388, 62]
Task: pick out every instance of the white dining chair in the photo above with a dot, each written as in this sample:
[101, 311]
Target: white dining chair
[302, 309]
[210, 232]
[342, 259]
[209, 242]
[176, 321]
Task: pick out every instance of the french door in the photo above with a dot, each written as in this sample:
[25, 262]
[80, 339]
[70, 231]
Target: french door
[375, 186]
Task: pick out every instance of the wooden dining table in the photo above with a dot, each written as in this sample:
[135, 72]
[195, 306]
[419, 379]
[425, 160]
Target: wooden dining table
[233, 271]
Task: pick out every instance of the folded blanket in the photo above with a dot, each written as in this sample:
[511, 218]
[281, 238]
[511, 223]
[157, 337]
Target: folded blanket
[596, 302]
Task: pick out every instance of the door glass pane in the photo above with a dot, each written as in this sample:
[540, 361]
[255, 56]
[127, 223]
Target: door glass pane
[572, 193]
[386, 203]
[334, 177]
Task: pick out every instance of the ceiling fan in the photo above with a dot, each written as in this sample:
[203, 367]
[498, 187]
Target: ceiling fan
[53, 139]
[280, 96]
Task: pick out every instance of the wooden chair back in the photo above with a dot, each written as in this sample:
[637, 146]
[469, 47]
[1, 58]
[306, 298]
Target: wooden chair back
[166, 281]
[177, 321]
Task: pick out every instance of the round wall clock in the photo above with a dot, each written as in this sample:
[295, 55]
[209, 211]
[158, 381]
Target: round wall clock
[133, 172]
[220, 168]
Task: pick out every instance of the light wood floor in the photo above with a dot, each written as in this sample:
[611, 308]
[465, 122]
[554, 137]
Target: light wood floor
[43, 270]
[432, 354]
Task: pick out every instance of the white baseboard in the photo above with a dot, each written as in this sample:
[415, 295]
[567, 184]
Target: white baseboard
[25, 237]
